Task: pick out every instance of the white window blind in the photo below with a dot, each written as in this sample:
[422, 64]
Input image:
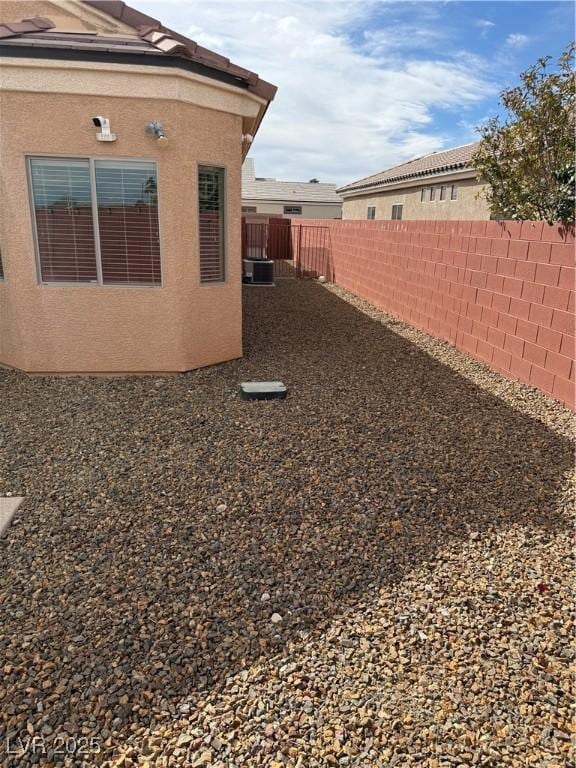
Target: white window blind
[211, 196]
[64, 223]
[96, 221]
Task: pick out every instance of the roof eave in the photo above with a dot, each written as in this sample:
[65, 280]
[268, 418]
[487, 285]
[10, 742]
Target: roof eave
[407, 180]
[145, 24]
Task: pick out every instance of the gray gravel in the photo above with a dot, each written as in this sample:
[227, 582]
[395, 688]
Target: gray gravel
[373, 572]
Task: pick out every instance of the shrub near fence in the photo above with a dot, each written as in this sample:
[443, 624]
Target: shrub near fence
[501, 291]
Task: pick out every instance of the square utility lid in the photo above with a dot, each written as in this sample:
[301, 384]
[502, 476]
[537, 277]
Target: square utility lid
[263, 390]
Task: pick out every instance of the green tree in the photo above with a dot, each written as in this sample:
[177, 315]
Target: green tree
[527, 161]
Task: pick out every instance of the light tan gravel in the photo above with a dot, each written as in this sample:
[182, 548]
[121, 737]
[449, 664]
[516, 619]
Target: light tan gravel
[375, 572]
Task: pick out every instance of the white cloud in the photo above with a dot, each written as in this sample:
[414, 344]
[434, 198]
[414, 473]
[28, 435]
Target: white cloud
[349, 102]
[484, 25]
[517, 40]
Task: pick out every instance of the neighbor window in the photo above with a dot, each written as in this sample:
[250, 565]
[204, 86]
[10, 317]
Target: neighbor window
[442, 193]
[249, 209]
[423, 195]
[96, 221]
[432, 193]
[293, 209]
[211, 196]
[371, 212]
[454, 192]
[397, 212]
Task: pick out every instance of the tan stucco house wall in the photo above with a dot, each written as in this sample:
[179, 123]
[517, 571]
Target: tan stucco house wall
[47, 108]
[470, 203]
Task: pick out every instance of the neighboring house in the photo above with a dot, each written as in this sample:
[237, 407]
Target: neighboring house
[442, 185]
[294, 199]
[121, 150]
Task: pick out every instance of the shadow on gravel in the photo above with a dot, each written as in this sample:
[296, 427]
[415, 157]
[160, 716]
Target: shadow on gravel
[160, 511]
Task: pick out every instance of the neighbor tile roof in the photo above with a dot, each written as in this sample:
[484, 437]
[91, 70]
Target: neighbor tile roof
[151, 38]
[290, 191]
[425, 166]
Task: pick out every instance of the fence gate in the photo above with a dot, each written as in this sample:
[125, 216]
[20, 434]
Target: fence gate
[298, 250]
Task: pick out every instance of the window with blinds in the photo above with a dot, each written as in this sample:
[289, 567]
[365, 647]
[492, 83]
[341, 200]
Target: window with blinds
[96, 221]
[62, 196]
[127, 201]
[211, 196]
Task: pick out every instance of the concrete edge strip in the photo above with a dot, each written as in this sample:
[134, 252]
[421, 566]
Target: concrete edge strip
[9, 505]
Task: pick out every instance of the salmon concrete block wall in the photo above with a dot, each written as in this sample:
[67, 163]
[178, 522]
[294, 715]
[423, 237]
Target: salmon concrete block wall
[83, 328]
[501, 291]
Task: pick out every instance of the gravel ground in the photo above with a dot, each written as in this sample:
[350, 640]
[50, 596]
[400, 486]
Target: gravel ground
[375, 572]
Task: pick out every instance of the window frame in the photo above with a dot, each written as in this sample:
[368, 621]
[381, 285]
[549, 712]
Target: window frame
[423, 194]
[249, 209]
[454, 192]
[443, 193]
[225, 241]
[432, 194]
[396, 206]
[292, 213]
[371, 208]
[92, 159]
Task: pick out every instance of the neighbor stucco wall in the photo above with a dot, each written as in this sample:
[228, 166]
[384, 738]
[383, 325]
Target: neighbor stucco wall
[182, 325]
[470, 204]
[309, 210]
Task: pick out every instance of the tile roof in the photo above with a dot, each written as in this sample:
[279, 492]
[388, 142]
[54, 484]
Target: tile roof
[15, 28]
[151, 38]
[428, 165]
[174, 44]
[254, 188]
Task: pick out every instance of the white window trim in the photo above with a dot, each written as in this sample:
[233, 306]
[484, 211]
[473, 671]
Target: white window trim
[213, 283]
[90, 284]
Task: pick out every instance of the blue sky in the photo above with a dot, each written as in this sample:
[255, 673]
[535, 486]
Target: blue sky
[366, 84]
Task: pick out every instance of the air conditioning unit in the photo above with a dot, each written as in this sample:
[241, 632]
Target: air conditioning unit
[258, 271]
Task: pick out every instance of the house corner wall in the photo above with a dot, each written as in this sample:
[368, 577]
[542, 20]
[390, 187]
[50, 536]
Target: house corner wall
[115, 329]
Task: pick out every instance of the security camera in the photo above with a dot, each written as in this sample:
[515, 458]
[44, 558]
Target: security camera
[104, 124]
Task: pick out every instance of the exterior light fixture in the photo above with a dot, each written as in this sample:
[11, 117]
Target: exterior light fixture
[248, 138]
[104, 124]
[156, 130]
